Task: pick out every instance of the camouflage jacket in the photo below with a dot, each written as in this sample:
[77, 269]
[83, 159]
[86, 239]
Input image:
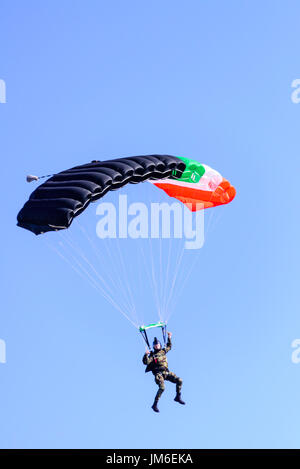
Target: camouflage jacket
[157, 361]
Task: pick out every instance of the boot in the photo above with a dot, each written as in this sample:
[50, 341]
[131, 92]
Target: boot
[154, 407]
[178, 399]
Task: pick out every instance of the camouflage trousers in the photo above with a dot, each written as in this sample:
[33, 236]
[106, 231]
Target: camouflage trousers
[163, 376]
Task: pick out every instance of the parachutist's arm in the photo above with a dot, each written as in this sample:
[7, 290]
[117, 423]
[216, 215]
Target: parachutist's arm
[169, 345]
[147, 359]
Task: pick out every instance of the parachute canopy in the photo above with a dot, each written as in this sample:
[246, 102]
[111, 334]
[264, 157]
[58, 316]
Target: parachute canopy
[198, 187]
[54, 204]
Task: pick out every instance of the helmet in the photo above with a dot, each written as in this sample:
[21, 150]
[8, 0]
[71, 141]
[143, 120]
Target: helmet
[156, 342]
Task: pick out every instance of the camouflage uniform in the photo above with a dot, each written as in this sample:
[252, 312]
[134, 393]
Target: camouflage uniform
[157, 362]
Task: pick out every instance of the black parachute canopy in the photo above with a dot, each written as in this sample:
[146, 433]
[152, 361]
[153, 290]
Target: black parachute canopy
[54, 204]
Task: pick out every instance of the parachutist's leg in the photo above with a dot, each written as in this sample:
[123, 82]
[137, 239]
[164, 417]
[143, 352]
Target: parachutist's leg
[159, 379]
[178, 381]
[174, 379]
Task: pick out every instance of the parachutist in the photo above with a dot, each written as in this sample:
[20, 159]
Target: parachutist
[157, 362]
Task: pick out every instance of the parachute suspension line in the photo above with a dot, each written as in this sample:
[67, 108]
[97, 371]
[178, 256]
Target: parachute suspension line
[162, 269]
[124, 308]
[175, 277]
[119, 277]
[186, 278]
[150, 257]
[120, 285]
[145, 267]
[86, 276]
[215, 220]
[116, 279]
[152, 267]
[69, 263]
[119, 273]
[76, 249]
[126, 278]
[106, 295]
[167, 276]
[93, 282]
[155, 287]
[182, 284]
[164, 275]
[161, 279]
[144, 276]
[209, 220]
[145, 337]
[92, 245]
[212, 223]
[164, 333]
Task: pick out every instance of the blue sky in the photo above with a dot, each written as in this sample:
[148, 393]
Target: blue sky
[206, 80]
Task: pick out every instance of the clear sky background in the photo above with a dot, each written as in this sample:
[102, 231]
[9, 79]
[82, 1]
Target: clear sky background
[210, 80]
